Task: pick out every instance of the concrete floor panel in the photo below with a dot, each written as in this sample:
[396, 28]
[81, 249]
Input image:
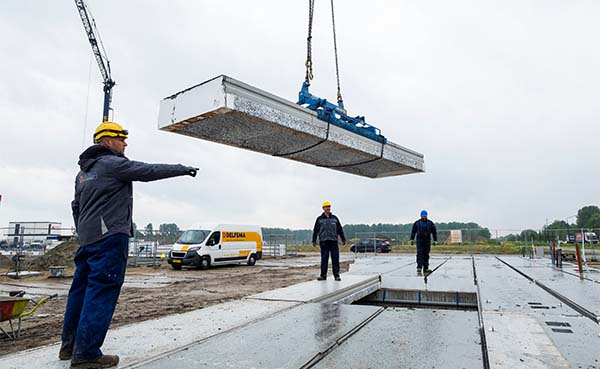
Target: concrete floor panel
[411, 338]
[287, 340]
[230, 112]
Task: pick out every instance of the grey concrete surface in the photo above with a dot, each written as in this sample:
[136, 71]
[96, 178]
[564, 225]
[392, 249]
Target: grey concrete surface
[409, 338]
[287, 340]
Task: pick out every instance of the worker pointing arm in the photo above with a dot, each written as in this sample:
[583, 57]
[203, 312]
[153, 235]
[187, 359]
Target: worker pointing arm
[102, 211]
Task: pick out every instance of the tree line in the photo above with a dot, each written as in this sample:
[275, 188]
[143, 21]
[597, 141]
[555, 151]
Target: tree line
[587, 218]
[397, 232]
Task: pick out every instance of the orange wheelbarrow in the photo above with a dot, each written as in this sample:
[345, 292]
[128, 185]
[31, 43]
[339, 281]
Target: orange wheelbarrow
[13, 308]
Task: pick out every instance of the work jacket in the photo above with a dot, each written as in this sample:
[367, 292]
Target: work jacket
[103, 203]
[328, 229]
[423, 229]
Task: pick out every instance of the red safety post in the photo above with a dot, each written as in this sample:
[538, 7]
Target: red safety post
[578, 257]
[553, 251]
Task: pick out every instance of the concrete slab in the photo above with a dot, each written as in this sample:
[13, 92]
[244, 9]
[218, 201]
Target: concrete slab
[38, 289]
[298, 262]
[380, 264]
[504, 290]
[288, 340]
[314, 291]
[454, 274]
[582, 292]
[407, 338]
[233, 113]
[519, 341]
[137, 342]
[522, 320]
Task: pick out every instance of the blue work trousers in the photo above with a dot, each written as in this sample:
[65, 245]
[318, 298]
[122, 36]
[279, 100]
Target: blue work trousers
[328, 247]
[99, 275]
[423, 248]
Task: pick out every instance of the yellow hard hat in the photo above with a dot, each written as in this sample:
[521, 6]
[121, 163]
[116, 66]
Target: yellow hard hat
[109, 129]
[325, 203]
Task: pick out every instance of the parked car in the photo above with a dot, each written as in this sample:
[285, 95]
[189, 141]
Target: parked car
[590, 237]
[570, 238]
[372, 245]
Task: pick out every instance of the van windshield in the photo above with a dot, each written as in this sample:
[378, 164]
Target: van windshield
[193, 236]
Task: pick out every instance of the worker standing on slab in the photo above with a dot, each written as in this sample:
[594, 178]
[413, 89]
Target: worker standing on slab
[102, 211]
[424, 230]
[328, 227]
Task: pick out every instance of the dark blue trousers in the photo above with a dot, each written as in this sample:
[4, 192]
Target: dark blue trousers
[423, 248]
[328, 247]
[99, 275]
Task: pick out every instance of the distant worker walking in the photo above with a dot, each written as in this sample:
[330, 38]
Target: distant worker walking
[328, 227]
[102, 211]
[424, 229]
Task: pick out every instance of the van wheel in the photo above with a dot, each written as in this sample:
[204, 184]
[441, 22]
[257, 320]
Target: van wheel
[379, 250]
[251, 260]
[204, 263]
[176, 266]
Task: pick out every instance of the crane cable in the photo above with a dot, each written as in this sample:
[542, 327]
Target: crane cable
[309, 72]
[337, 70]
[309, 64]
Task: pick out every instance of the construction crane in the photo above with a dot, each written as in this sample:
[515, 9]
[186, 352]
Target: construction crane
[327, 111]
[89, 24]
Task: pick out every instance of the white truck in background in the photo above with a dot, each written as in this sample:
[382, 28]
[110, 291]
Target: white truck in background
[201, 246]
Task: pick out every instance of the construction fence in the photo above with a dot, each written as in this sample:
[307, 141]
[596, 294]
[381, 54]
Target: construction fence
[463, 236]
[149, 245]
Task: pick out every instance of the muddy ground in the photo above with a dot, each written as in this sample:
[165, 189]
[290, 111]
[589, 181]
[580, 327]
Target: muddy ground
[153, 292]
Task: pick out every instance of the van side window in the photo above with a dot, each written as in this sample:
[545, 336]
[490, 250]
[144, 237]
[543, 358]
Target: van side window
[214, 239]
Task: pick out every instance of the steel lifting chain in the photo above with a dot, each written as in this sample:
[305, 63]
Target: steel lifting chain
[309, 71]
[337, 69]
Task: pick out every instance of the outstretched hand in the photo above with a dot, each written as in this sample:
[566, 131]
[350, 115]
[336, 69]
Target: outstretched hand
[192, 171]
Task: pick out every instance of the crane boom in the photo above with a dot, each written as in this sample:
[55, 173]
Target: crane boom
[101, 59]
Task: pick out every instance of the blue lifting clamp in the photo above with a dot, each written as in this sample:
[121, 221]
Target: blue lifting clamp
[336, 115]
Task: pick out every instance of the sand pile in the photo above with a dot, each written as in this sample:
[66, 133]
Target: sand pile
[62, 254]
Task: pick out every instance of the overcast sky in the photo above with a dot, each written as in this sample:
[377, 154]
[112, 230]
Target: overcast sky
[500, 96]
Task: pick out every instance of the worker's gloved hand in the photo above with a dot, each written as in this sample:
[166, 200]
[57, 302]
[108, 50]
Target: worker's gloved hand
[314, 244]
[343, 242]
[434, 243]
[192, 171]
[412, 242]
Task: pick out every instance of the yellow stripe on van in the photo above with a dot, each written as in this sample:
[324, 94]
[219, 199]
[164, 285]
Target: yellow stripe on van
[185, 247]
[244, 252]
[241, 236]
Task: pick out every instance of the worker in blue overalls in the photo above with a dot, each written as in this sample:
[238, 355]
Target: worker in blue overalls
[328, 228]
[102, 211]
[424, 230]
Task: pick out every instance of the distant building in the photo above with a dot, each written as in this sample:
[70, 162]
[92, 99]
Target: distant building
[455, 236]
[33, 231]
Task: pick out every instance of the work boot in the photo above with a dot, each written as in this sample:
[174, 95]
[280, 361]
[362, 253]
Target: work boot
[337, 278]
[321, 278]
[103, 361]
[65, 353]
[419, 271]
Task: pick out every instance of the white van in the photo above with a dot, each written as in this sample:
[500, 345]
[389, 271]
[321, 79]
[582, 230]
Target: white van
[202, 246]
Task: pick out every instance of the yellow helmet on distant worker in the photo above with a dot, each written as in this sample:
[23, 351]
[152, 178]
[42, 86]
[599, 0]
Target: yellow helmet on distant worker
[325, 203]
[109, 129]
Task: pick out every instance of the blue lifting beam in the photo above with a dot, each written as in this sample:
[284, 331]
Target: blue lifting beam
[336, 115]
